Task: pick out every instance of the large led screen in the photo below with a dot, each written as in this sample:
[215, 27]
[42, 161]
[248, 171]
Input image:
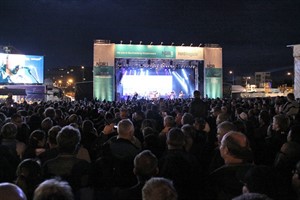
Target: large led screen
[155, 83]
[21, 69]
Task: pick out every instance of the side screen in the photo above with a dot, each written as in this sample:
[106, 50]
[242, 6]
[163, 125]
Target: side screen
[21, 69]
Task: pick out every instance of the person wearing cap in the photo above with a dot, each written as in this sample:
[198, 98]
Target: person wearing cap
[224, 182]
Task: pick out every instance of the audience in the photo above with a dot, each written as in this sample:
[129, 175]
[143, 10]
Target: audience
[206, 159]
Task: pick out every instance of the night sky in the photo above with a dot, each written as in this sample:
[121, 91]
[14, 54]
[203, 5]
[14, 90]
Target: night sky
[253, 33]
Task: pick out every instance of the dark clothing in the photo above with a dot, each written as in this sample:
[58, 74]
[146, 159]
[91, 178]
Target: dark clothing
[68, 167]
[132, 193]
[273, 145]
[198, 108]
[259, 144]
[217, 161]
[184, 170]
[48, 155]
[226, 182]
[115, 167]
[8, 164]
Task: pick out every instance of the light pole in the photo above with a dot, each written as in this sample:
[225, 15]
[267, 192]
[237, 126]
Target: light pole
[232, 74]
[83, 78]
[290, 75]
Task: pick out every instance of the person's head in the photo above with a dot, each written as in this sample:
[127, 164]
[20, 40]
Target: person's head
[46, 124]
[16, 119]
[280, 123]
[215, 111]
[68, 139]
[123, 113]
[88, 126]
[169, 121]
[222, 117]
[53, 189]
[290, 97]
[187, 118]
[125, 129]
[145, 165]
[52, 134]
[147, 131]
[29, 175]
[158, 188]
[235, 148]
[175, 139]
[197, 94]
[37, 139]
[199, 123]
[9, 191]
[73, 118]
[9, 131]
[49, 112]
[138, 116]
[224, 128]
[264, 117]
[261, 179]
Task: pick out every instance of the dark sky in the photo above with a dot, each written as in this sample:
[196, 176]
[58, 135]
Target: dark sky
[252, 33]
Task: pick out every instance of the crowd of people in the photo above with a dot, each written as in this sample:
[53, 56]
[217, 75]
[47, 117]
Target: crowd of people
[169, 149]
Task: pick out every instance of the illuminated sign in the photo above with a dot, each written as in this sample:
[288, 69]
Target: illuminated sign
[144, 51]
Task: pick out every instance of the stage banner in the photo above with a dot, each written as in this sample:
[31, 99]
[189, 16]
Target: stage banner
[189, 53]
[104, 84]
[144, 51]
[213, 82]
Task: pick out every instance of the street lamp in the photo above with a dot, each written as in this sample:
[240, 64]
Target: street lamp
[70, 81]
[232, 74]
[290, 75]
[83, 78]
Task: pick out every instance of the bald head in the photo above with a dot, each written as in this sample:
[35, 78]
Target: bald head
[235, 147]
[10, 191]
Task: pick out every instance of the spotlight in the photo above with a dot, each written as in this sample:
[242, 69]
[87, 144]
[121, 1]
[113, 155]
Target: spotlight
[191, 44]
[141, 42]
[161, 43]
[172, 43]
[121, 42]
[130, 41]
[151, 43]
[182, 44]
[200, 45]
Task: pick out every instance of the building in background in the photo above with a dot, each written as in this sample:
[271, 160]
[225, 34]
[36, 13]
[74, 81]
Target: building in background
[262, 78]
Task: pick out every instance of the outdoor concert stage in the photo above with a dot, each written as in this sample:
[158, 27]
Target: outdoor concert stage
[123, 71]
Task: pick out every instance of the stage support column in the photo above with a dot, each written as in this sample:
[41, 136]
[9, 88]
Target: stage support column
[104, 70]
[213, 79]
[296, 54]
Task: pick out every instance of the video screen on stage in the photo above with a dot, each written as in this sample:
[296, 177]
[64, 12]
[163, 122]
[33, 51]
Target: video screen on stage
[21, 69]
[155, 83]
